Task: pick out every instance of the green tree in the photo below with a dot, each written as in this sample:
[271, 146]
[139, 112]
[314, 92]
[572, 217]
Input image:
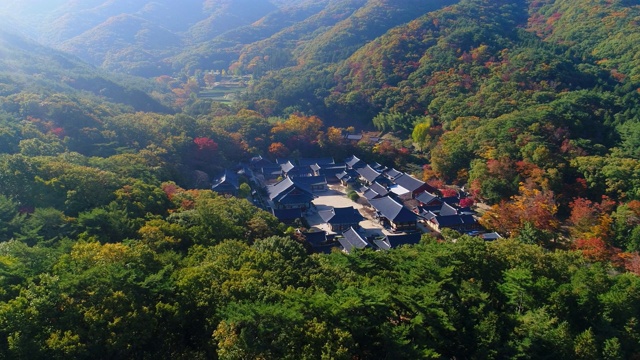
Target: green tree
[585, 346]
[244, 191]
[44, 225]
[517, 288]
[421, 132]
[611, 350]
[9, 218]
[450, 155]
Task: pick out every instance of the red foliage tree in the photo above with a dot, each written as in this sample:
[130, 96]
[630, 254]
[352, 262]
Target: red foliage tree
[428, 174]
[170, 189]
[467, 202]
[58, 131]
[436, 183]
[205, 144]
[597, 249]
[632, 263]
[448, 192]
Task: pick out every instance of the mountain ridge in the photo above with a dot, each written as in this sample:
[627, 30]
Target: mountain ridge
[42, 69]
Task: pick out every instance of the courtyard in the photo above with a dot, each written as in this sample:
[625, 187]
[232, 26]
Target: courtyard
[336, 197]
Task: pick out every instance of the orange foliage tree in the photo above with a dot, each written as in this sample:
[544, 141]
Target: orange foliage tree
[591, 220]
[531, 205]
[305, 128]
[278, 150]
[594, 249]
[298, 132]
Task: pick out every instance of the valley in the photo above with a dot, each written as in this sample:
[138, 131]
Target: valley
[295, 179]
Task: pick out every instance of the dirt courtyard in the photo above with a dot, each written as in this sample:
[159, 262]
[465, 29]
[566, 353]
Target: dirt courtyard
[338, 199]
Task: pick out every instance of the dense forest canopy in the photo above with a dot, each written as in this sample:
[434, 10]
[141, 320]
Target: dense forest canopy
[112, 244]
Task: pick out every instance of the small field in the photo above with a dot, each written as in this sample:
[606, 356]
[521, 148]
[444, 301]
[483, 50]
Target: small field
[221, 93]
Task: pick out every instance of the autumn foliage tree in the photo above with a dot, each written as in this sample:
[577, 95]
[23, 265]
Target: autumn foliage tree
[590, 219]
[278, 150]
[297, 131]
[595, 249]
[205, 148]
[205, 144]
[534, 206]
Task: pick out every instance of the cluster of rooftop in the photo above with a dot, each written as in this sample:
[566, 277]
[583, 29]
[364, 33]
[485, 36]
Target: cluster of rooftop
[398, 201]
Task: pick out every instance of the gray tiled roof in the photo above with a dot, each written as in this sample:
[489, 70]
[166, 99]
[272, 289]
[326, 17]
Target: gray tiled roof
[271, 169]
[393, 173]
[379, 167]
[315, 238]
[281, 161]
[427, 198]
[379, 189]
[449, 220]
[307, 181]
[287, 215]
[393, 210]
[347, 215]
[491, 236]
[287, 167]
[329, 169]
[259, 161]
[353, 162]
[448, 210]
[370, 194]
[347, 175]
[409, 182]
[404, 239]
[381, 244]
[352, 240]
[368, 173]
[228, 178]
[316, 161]
[287, 188]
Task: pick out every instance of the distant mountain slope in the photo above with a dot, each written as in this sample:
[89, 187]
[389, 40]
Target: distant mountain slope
[228, 15]
[124, 40]
[373, 19]
[152, 37]
[605, 31]
[74, 18]
[466, 53]
[332, 34]
[475, 58]
[284, 43]
[411, 61]
[256, 39]
[133, 37]
[287, 3]
[27, 66]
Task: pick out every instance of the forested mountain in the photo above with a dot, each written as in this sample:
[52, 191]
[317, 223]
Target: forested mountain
[28, 66]
[113, 246]
[493, 76]
[155, 38]
[133, 37]
[437, 43]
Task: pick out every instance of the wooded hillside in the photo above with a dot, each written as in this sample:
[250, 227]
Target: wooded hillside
[113, 246]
